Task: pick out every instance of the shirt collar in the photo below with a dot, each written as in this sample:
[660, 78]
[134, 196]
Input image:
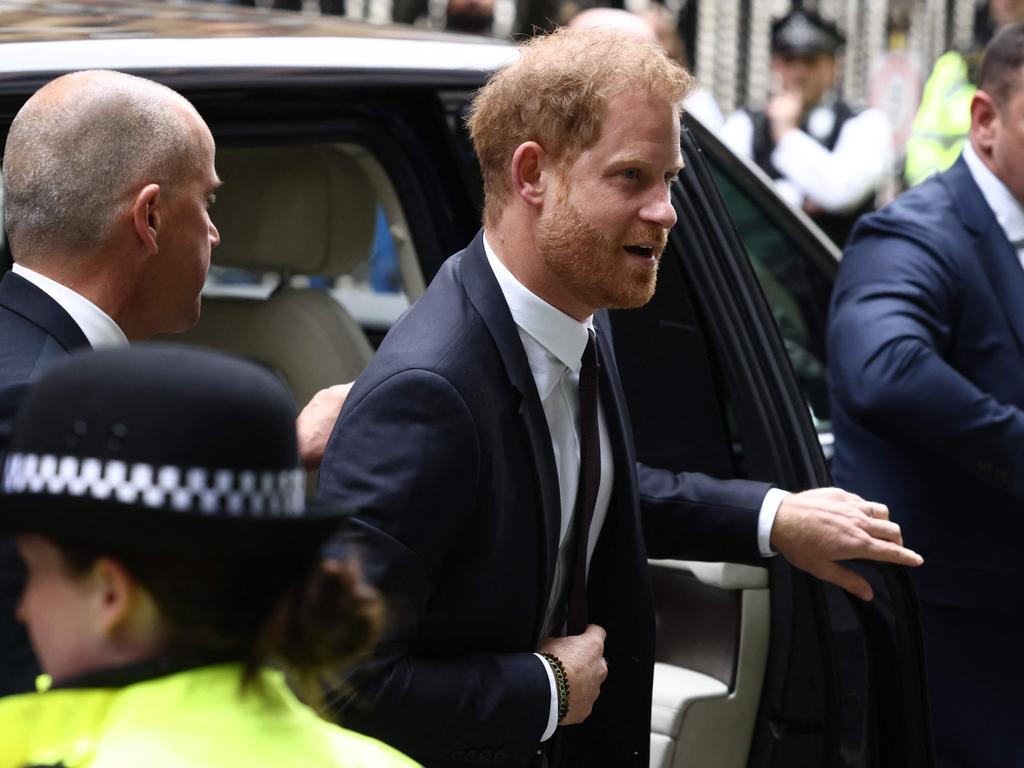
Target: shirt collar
[1007, 209]
[561, 335]
[98, 327]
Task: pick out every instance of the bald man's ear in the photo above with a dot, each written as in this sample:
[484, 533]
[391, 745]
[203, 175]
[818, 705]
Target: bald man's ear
[146, 216]
[531, 172]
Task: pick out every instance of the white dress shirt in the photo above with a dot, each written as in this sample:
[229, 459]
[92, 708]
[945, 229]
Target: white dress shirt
[838, 180]
[1007, 209]
[554, 344]
[98, 327]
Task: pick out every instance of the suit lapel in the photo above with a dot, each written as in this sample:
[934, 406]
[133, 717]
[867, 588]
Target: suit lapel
[994, 251]
[20, 296]
[615, 413]
[484, 292]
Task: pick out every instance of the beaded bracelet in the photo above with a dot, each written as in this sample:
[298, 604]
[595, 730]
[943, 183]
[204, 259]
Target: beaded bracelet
[561, 682]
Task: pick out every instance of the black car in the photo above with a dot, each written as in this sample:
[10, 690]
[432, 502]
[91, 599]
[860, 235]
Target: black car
[349, 179]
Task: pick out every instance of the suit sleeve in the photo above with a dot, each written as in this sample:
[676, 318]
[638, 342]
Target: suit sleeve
[891, 326]
[690, 516]
[405, 456]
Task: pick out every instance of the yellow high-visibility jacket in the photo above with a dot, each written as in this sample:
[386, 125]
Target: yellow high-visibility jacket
[943, 121]
[195, 718]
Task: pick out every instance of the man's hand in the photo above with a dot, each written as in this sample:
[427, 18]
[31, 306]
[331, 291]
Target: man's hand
[316, 421]
[585, 667]
[816, 528]
[784, 110]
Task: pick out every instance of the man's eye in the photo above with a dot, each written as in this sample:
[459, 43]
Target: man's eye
[631, 173]
[210, 199]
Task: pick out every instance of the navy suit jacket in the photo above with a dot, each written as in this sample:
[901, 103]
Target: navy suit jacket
[443, 451]
[35, 332]
[926, 372]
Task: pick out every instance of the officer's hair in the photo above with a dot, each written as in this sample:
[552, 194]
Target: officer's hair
[1001, 67]
[307, 615]
[80, 148]
[556, 95]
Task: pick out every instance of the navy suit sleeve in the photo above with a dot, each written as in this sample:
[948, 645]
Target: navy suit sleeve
[892, 318]
[405, 456]
[690, 516]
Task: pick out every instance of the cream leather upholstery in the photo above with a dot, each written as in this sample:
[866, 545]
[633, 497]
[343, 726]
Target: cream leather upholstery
[695, 719]
[293, 210]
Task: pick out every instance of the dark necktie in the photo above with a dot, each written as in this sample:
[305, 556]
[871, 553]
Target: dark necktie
[586, 493]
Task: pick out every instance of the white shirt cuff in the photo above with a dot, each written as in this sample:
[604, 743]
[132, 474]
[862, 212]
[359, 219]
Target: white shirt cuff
[553, 709]
[766, 519]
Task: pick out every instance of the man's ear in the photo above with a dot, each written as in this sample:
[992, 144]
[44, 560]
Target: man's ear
[984, 122]
[146, 216]
[531, 171]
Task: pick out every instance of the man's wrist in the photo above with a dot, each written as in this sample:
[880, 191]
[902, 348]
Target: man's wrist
[561, 683]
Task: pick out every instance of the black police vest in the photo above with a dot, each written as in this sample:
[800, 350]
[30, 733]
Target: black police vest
[836, 226]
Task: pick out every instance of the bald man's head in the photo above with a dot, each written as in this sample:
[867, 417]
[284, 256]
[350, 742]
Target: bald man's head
[81, 147]
[625, 23]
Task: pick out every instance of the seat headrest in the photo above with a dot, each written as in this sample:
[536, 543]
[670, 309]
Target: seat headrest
[305, 210]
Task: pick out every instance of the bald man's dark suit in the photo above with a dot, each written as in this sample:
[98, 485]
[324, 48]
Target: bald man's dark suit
[35, 332]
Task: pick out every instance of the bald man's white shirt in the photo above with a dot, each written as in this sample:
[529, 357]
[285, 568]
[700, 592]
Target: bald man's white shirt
[97, 326]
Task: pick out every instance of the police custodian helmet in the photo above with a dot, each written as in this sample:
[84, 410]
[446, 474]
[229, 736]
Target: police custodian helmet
[161, 447]
[805, 33]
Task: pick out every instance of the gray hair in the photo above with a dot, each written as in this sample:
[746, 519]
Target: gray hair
[80, 148]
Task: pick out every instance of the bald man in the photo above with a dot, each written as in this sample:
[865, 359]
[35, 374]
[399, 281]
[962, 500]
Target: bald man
[107, 184]
[656, 26]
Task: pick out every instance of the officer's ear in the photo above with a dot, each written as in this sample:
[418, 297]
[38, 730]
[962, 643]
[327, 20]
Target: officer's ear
[127, 615]
[986, 121]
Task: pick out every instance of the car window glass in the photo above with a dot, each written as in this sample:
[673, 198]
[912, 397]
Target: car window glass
[796, 292]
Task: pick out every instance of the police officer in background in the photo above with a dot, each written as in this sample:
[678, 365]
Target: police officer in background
[824, 156]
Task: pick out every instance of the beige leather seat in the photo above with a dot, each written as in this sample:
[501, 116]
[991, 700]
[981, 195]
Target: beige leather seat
[291, 210]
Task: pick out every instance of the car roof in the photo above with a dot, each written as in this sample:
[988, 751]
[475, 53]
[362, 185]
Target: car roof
[54, 37]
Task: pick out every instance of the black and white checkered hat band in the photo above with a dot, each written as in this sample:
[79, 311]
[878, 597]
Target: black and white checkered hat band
[211, 491]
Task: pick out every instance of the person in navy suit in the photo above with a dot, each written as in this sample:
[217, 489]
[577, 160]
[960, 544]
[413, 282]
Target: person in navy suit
[926, 370]
[488, 454]
[111, 239]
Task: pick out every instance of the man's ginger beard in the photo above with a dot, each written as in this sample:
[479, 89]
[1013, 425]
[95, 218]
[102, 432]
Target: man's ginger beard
[593, 266]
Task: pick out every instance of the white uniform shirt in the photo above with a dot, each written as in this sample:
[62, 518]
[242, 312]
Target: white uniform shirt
[836, 181]
[1007, 209]
[554, 344]
[98, 327]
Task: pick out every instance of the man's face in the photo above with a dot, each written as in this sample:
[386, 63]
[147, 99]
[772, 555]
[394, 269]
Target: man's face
[56, 607]
[810, 75]
[602, 235]
[187, 239]
[1007, 140]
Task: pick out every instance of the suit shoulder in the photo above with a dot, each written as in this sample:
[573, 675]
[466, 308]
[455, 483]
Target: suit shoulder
[22, 345]
[437, 333]
[925, 217]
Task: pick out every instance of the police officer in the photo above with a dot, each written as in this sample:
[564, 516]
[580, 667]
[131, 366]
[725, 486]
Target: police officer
[159, 507]
[824, 156]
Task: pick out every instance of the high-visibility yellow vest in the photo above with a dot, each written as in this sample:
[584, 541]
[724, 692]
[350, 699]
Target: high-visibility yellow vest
[196, 718]
[943, 121]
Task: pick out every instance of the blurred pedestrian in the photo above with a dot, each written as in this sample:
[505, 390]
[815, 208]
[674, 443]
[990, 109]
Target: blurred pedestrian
[926, 371]
[943, 119]
[158, 501]
[824, 156]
